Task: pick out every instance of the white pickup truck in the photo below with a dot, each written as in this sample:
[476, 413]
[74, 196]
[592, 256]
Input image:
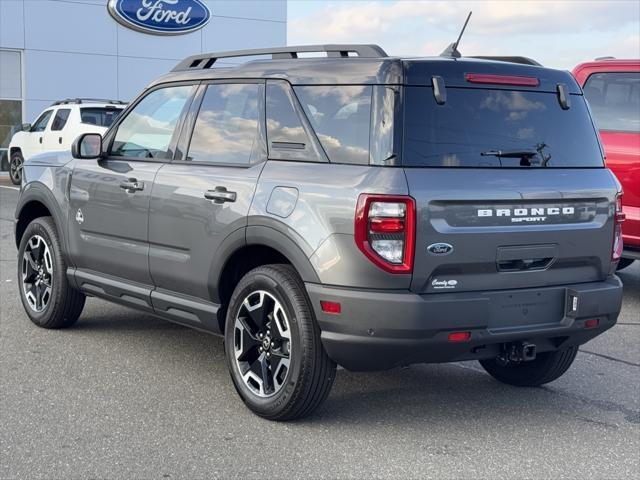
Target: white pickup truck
[58, 126]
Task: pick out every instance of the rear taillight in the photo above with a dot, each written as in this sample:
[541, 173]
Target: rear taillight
[385, 230]
[619, 217]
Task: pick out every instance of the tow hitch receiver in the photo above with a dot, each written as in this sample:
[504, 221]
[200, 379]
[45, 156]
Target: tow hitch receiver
[517, 352]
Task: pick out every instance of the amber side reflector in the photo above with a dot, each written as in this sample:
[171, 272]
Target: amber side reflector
[502, 79]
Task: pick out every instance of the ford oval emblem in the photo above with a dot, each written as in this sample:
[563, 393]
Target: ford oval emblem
[160, 17]
[440, 249]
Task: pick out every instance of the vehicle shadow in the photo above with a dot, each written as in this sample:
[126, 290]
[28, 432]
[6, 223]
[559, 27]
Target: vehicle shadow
[420, 396]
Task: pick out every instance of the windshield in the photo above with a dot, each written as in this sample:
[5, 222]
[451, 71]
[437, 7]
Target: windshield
[497, 128]
[102, 117]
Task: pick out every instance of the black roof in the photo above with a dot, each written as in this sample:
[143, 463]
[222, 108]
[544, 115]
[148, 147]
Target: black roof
[357, 64]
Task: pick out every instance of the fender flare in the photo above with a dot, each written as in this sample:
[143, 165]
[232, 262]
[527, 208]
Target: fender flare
[38, 192]
[272, 236]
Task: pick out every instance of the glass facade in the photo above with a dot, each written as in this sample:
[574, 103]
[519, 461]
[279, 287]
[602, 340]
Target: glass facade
[10, 101]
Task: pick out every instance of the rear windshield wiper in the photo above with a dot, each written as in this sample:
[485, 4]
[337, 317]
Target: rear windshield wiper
[525, 156]
[510, 153]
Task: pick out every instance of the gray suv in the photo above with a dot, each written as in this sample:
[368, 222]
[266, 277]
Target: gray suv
[353, 209]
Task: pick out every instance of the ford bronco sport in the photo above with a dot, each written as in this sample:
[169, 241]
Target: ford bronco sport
[354, 209]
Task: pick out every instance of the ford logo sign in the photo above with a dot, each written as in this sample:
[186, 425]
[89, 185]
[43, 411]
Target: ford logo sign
[439, 249]
[160, 17]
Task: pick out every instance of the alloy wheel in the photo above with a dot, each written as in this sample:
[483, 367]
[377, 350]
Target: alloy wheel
[262, 343]
[37, 273]
[15, 169]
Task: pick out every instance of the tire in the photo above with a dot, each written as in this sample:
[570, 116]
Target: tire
[546, 368]
[624, 263]
[62, 306]
[15, 168]
[296, 373]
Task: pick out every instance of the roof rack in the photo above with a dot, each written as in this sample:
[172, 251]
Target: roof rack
[208, 59]
[87, 100]
[510, 59]
[608, 57]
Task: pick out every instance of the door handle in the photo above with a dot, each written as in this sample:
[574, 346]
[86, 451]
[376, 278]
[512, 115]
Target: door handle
[132, 185]
[220, 195]
[40, 139]
[60, 140]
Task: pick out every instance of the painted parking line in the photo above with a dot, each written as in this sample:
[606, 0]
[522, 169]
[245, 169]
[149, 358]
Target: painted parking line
[10, 188]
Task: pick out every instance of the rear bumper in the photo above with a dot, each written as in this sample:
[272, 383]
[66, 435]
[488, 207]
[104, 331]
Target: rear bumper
[383, 329]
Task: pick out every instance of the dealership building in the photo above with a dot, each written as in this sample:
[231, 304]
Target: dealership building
[57, 49]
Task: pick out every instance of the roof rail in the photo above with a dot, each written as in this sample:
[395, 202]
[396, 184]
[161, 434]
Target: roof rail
[608, 57]
[510, 59]
[208, 59]
[87, 100]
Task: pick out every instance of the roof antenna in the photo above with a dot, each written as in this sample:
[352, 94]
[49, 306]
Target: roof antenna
[452, 50]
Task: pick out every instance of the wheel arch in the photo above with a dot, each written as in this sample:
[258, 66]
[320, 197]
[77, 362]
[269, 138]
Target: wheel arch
[262, 246]
[37, 201]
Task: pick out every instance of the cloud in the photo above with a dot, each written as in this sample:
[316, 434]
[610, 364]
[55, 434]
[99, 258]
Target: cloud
[561, 33]
[348, 20]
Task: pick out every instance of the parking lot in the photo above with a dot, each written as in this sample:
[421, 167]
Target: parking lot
[126, 395]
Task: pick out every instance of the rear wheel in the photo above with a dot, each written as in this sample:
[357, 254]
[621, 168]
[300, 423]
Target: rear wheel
[624, 263]
[15, 168]
[46, 295]
[546, 368]
[272, 345]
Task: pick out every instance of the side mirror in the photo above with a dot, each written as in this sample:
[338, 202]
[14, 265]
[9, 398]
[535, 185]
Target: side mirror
[25, 127]
[87, 146]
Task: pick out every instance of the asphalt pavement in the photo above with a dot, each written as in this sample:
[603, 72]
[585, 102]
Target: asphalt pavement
[126, 395]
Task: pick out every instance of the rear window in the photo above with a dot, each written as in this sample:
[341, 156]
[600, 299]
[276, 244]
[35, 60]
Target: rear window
[497, 128]
[615, 100]
[102, 117]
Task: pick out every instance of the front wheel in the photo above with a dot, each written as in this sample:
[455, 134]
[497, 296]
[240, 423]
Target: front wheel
[545, 368]
[47, 297]
[15, 168]
[272, 345]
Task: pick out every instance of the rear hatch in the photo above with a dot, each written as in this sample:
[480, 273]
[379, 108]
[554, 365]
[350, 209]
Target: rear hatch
[508, 178]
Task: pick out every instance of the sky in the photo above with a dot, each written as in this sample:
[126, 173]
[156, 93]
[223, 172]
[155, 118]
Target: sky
[558, 34]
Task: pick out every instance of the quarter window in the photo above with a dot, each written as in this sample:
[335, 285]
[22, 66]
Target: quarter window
[226, 130]
[148, 129]
[60, 120]
[42, 122]
[615, 100]
[340, 116]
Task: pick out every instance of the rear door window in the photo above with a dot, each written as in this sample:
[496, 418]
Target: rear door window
[341, 117]
[288, 137]
[227, 126]
[615, 100]
[497, 128]
[60, 120]
[101, 117]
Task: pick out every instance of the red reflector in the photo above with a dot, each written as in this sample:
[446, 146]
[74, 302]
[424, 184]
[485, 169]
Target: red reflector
[502, 79]
[459, 336]
[330, 307]
[386, 225]
[591, 323]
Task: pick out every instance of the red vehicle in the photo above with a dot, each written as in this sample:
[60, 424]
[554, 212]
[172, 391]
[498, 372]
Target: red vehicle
[612, 88]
